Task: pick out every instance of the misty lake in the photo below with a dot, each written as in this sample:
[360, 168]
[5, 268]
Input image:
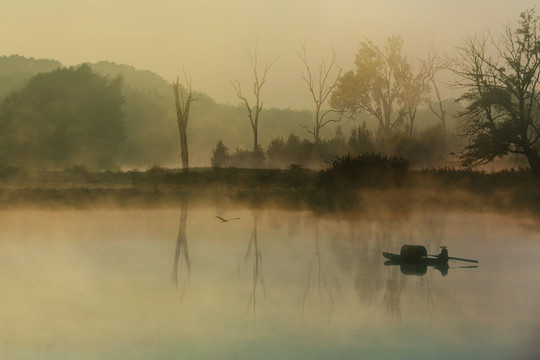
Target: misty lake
[274, 284]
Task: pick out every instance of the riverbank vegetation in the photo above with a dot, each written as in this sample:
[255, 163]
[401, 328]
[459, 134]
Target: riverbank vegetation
[385, 185]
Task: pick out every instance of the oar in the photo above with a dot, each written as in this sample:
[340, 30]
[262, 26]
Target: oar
[456, 258]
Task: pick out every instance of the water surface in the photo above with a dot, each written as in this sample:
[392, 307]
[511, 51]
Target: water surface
[180, 284]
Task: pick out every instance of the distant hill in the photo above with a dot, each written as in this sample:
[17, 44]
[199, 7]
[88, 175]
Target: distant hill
[15, 70]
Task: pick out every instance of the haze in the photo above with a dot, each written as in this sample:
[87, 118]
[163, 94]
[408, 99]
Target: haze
[210, 38]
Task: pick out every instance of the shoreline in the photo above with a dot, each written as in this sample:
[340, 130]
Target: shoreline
[502, 192]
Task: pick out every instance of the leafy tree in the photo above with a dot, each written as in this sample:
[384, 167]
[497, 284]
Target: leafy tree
[502, 78]
[66, 117]
[383, 85]
[149, 116]
[372, 87]
[15, 70]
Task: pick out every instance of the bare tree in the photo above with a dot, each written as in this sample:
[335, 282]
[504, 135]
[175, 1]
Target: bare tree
[321, 84]
[432, 66]
[414, 89]
[259, 81]
[182, 114]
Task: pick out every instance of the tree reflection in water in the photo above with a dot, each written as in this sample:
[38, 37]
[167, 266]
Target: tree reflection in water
[317, 275]
[254, 253]
[181, 255]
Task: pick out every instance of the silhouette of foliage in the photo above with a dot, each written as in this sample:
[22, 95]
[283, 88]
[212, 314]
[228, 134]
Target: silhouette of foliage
[426, 149]
[502, 77]
[15, 70]
[66, 117]
[369, 170]
[361, 140]
[220, 155]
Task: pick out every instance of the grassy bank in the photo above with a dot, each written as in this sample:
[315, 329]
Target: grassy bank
[298, 188]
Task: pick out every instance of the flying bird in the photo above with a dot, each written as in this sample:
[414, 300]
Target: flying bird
[225, 220]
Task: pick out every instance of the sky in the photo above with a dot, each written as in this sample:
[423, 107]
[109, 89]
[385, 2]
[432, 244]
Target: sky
[210, 38]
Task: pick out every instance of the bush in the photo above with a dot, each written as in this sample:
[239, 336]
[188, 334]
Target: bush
[156, 171]
[368, 170]
[77, 170]
[220, 155]
[11, 172]
[427, 149]
[361, 140]
[250, 159]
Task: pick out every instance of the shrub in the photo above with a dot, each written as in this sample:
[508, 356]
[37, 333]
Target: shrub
[368, 170]
[251, 159]
[220, 155]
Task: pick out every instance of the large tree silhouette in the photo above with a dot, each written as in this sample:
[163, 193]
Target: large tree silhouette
[502, 78]
[66, 117]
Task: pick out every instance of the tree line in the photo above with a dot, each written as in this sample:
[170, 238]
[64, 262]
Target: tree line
[89, 115]
[499, 74]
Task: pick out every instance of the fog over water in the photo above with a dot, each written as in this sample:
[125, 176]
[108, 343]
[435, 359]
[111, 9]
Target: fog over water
[139, 272]
[210, 38]
[178, 283]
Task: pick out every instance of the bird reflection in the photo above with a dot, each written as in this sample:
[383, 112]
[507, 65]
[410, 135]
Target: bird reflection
[227, 220]
[181, 255]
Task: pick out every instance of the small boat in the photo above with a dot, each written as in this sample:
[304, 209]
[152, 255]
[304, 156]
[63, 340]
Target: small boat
[418, 254]
[414, 253]
[414, 260]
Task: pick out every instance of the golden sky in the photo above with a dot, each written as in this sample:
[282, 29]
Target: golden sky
[210, 38]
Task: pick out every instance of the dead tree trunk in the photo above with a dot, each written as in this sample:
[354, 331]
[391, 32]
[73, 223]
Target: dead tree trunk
[432, 66]
[320, 86]
[253, 113]
[182, 114]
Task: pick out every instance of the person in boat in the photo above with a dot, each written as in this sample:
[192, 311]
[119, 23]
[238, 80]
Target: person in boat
[444, 254]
